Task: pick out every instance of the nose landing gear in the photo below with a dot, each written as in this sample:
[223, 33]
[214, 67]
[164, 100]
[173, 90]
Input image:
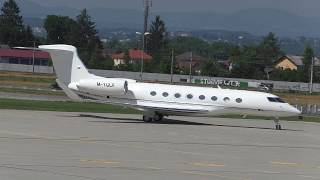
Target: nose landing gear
[277, 123]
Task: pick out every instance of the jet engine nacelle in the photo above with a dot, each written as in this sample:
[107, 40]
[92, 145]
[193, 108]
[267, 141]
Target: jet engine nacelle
[103, 87]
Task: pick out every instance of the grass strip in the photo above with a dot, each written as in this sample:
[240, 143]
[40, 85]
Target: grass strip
[32, 91]
[63, 106]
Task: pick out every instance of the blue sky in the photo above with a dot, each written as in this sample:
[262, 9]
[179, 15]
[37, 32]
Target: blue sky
[299, 7]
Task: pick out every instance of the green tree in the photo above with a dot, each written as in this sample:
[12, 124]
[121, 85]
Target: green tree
[212, 68]
[86, 25]
[252, 60]
[220, 50]
[12, 30]
[185, 44]
[247, 66]
[27, 38]
[268, 50]
[87, 36]
[98, 61]
[80, 33]
[158, 38]
[60, 29]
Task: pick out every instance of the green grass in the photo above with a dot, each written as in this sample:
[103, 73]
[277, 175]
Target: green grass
[63, 106]
[32, 91]
[27, 79]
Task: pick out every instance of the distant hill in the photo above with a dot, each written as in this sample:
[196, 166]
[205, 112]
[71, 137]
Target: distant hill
[254, 21]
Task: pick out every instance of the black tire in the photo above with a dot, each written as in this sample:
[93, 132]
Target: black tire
[158, 118]
[147, 119]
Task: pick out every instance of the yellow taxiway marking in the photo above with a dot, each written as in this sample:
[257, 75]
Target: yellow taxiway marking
[285, 163]
[207, 164]
[100, 161]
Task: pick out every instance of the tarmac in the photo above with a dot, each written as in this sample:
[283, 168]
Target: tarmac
[85, 146]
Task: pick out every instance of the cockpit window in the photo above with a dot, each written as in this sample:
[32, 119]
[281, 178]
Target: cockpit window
[276, 100]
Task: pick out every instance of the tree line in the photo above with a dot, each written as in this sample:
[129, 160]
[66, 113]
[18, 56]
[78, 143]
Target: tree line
[254, 61]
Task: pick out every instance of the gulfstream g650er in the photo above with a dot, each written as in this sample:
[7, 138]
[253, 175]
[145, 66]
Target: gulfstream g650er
[159, 100]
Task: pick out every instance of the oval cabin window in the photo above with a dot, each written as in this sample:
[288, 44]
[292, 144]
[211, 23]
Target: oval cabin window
[239, 100]
[177, 95]
[153, 93]
[214, 98]
[202, 97]
[165, 94]
[226, 99]
[189, 96]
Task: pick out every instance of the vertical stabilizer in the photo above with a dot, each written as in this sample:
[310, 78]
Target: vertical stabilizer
[67, 64]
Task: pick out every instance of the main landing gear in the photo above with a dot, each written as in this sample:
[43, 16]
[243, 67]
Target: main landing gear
[277, 123]
[154, 118]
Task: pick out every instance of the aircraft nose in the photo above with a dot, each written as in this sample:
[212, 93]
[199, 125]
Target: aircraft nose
[294, 110]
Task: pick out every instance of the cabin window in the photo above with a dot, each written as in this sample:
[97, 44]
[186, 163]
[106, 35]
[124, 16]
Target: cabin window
[214, 98]
[226, 99]
[189, 96]
[165, 94]
[177, 95]
[202, 97]
[276, 100]
[153, 93]
[239, 100]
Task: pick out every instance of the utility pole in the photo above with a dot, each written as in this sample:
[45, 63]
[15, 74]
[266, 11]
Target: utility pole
[311, 76]
[147, 5]
[172, 57]
[190, 67]
[142, 52]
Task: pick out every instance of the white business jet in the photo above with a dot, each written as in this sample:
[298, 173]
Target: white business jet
[159, 100]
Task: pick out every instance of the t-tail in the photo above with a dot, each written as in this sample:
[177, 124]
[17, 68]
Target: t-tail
[74, 78]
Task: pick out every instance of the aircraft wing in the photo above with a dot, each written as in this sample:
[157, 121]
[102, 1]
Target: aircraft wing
[172, 108]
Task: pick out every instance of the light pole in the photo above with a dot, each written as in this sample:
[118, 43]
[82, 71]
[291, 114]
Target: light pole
[142, 54]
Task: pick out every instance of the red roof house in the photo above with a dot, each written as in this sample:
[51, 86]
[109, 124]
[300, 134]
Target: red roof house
[134, 55]
[23, 53]
[19, 56]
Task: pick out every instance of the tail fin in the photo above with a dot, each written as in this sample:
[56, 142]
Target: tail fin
[67, 64]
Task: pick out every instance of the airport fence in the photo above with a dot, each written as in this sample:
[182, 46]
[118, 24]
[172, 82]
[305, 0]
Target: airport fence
[26, 68]
[309, 109]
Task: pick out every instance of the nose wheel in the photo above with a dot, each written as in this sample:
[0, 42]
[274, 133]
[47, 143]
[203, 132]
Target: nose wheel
[277, 124]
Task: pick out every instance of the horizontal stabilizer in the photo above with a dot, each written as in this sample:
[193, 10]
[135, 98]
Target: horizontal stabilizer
[68, 92]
